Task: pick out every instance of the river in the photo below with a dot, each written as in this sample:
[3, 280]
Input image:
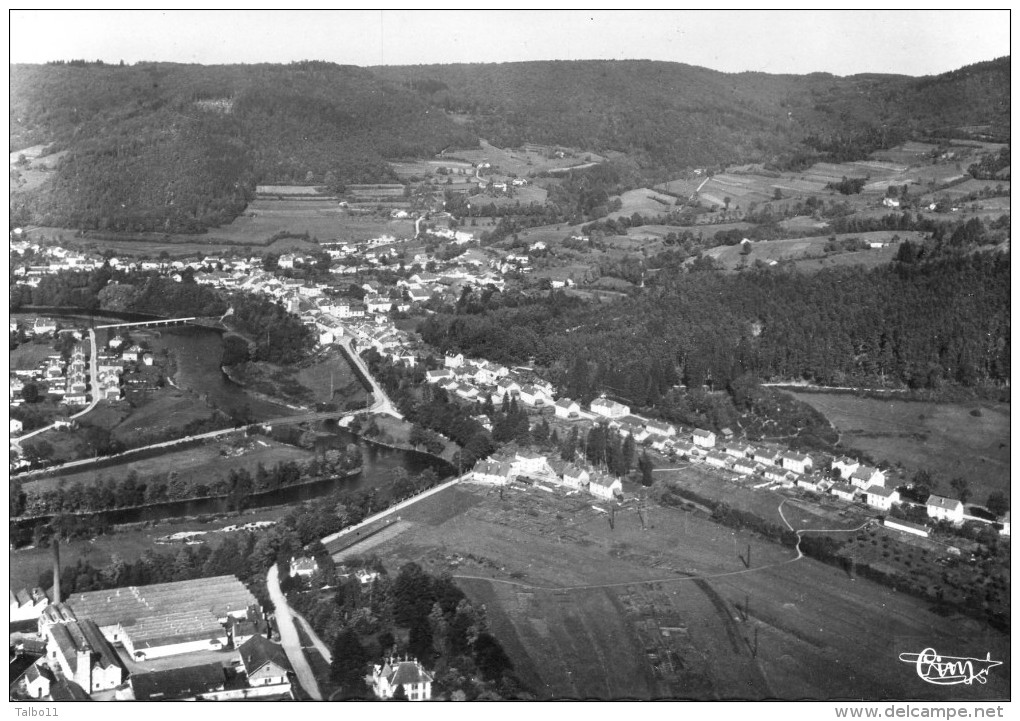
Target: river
[197, 353]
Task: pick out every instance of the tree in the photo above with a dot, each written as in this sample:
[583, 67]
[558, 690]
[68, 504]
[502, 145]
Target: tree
[646, 466]
[997, 503]
[30, 392]
[349, 662]
[962, 488]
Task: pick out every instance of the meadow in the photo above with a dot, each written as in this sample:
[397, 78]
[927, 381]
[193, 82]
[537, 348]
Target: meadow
[809, 253]
[944, 438]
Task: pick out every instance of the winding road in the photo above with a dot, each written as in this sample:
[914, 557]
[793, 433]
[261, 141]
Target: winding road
[382, 402]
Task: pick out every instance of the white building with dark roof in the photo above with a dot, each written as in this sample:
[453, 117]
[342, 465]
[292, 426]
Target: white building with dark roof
[409, 675]
[944, 509]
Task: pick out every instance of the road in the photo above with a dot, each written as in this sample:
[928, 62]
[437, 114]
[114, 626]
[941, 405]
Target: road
[289, 636]
[394, 509]
[383, 404]
[94, 379]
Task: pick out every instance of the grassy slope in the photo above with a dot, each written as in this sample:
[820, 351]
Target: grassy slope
[812, 621]
[941, 437]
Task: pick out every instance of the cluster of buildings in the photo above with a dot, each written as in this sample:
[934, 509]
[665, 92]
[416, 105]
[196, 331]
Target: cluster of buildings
[535, 469]
[99, 644]
[481, 380]
[67, 380]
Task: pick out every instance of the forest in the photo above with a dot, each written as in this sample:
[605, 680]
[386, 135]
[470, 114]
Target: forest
[180, 148]
[908, 325]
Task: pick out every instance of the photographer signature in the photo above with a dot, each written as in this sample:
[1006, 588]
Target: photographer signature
[950, 670]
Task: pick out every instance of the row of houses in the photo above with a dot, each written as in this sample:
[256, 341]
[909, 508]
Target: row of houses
[527, 466]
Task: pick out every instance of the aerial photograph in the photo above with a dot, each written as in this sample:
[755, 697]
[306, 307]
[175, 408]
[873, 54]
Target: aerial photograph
[512, 355]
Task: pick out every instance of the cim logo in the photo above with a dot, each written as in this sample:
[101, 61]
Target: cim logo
[950, 670]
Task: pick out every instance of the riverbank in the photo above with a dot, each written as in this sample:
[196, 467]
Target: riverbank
[396, 433]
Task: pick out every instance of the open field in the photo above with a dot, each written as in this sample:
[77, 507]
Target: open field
[664, 606]
[200, 464]
[525, 196]
[28, 356]
[327, 377]
[285, 190]
[521, 163]
[128, 543]
[163, 410]
[943, 438]
[644, 201]
[801, 249]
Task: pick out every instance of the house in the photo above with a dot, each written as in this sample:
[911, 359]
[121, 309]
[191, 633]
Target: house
[881, 497]
[264, 662]
[685, 449]
[846, 466]
[890, 202]
[796, 462]
[601, 406]
[810, 483]
[534, 396]
[44, 325]
[467, 392]
[132, 353]
[38, 679]
[660, 429]
[410, 676]
[437, 376]
[867, 476]
[529, 463]
[455, 361]
[843, 491]
[26, 605]
[16, 427]
[1005, 525]
[767, 457]
[178, 684]
[488, 471]
[745, 466]
[576, 477]
[738, 450]
[566, 408]
[945, 509]
[147, 359]
[778, 475]
[898, 524]
[718, 460]
[705, 439]
[303, 566]
[604, 486]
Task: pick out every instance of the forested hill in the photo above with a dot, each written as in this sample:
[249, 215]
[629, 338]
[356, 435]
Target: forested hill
[158, 146]
[671, 114]
[181, 147]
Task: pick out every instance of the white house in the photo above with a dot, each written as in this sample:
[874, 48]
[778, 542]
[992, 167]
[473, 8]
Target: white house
[867, 476]
[576, 477]
[528, 463]
[303, 566]
[454, 361]
[745, 466]
[604, 486]
[486, 471]
[945, 509]
[568, 409]
[16, 427]
[1005, 525]
[843, 491]
[534, 396]
[705, 439]
[846, 466]
[767, 457]
[264, 663]
[719, 460]
[738, 450]
[779, 475]
[437, 376]
[796, 462]
[660, 429]
[608, 409]
[905, 526]
[881, 497]
[411, 676]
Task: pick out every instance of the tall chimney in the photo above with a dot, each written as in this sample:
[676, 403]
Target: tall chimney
[56, 571]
